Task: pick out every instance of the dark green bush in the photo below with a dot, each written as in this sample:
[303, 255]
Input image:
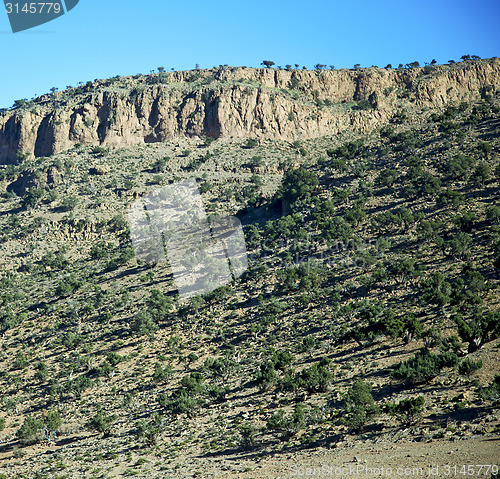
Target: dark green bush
[424, 366]
[31, 431]
[469, 366]
[266, 376]
[359, 405]
[143, 324]
[34, 430]
[68, 285]
[162, 374]
[248, 435]
[407, 410]
[290, 424]
[21, 360]
[151, 430]
[479, 328]
[33, 197]
[68, 203]
[298, 184]
[180, 402]
[348, 150]
[194, 382]
[102, 422]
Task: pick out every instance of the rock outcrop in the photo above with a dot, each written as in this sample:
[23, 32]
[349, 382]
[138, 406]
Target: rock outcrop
[235, 103]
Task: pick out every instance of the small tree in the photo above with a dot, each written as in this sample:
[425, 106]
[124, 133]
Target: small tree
[150, 431]
[248, 433]
[360, 405]
[33, 197]
[289, 425]
[493, 213]
[478, 329]
[52, 421]
[143, 324]
[469, 366]
[408, 410]
[102, 422]
[482, 173]
[31, 431]
[298, 184]
[268, 63]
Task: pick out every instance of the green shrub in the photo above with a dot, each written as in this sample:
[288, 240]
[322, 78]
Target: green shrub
[348, 150]
[31, 431]
[42, 372]
[56, 261]
[102, 422]
[493, 390]
[298, 184]
[450, 198]
[78, 385]
[481, 327]
[424, 366]
[33, 197]
[114, 358]
[407, 410]
[160, 164]
[21, 361]
[481, 173]
[180, 402]
[317, 378]
[194, 382]
[493, 213]
[162, 374]
[387, 177]
[290, 424]
[71, 340]
[468, 366]
[158, 305]
[52, 421]
[248, 434]
[459, 245]
[151, 430]
[266, 376]
[68, 203]
[459, 167]
[143, 324]
[68, 285]
[99, 151]
[359, 405]
[364, 105]
[251, 143]
[220, 367]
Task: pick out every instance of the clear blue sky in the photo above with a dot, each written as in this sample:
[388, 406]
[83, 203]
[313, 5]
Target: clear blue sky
[104, 38]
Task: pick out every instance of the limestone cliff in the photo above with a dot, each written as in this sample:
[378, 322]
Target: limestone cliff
[235, 103]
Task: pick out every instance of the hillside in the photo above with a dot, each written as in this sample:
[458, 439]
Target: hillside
[365, 331]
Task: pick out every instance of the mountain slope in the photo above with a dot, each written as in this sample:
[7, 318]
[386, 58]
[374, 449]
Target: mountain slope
[373, 281]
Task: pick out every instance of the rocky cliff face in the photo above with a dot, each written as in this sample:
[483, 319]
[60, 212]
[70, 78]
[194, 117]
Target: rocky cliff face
[235, 103]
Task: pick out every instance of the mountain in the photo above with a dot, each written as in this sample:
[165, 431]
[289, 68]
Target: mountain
[365, 332]
[235, 103]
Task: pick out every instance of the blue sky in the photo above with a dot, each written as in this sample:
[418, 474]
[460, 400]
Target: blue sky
[101, 39]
